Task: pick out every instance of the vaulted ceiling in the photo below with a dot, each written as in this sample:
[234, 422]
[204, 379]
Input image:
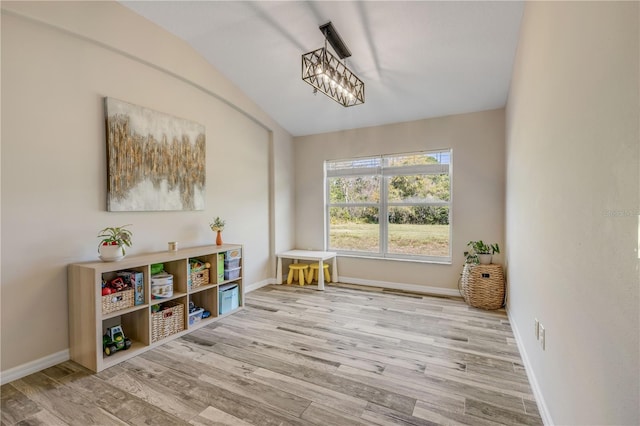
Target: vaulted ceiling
[418, 59]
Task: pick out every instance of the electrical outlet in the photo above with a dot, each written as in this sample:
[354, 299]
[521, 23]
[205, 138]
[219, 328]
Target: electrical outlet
[542, 336]
[536, 329]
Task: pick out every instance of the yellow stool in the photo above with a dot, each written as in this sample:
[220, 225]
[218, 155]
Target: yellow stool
[312, 274]
[297, 271]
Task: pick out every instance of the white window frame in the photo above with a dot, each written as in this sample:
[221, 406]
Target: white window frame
[385, 173]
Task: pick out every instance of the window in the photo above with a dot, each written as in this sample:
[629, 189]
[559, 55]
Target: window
[393, 206]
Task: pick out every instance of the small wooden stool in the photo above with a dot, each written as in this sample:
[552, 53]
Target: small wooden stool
[312, 274]
[297, 271]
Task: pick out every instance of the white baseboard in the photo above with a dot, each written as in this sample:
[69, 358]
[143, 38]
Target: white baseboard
[31, 367]
[537, 393]
[259, 284]
[402, 286]
[381, 284]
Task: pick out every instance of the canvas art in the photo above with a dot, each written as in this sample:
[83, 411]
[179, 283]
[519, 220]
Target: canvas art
[155, 161]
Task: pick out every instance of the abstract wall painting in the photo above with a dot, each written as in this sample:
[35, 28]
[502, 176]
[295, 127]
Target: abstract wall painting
[155, 162]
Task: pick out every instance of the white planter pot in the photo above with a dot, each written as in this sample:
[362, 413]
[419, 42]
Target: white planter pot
[111, 253]
[484, 259]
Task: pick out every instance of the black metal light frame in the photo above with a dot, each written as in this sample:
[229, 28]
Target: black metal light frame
[323, 71]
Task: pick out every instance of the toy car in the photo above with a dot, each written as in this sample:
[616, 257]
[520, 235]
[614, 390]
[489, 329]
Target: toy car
[114, 340]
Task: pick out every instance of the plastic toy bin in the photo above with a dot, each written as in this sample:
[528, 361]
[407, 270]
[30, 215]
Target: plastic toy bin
[232, 273]
[232, 263]
[228, 299]
[195, 316]
[233, 254]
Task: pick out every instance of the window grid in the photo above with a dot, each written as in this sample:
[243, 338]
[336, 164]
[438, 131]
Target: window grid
[385, 168]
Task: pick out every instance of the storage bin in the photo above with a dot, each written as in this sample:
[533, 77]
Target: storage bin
[233, 254]
[135, 280]
[117, 301]
[232, 273]
[220, 267]
[166, 322]
[228, 298]
[482, 286]
[233, 263]
[195, 317]
[199, 278]
[161, 286]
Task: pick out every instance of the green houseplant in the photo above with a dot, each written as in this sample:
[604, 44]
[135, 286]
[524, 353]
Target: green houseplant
[217, 226]
[113, 241]
[480, 252]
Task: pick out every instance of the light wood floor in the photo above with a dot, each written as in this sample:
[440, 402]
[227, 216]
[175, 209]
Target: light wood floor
[296, 356]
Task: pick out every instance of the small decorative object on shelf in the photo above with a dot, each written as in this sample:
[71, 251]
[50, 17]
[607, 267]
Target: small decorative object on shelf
[112, 245]
[480, 252]
[218, 226]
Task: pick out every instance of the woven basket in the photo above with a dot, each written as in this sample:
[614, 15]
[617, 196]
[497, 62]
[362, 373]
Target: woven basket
[199, 278]
[482, 286]
[116, 301]
[167, 322]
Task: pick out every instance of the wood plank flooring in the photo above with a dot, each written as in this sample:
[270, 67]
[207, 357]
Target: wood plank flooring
[296, 356]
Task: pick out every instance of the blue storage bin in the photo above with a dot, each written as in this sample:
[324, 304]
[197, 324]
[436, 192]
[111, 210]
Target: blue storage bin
[228, 298]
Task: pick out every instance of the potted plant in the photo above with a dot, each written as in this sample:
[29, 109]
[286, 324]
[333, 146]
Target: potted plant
[114, 240]
[480, 252]
[217, 226]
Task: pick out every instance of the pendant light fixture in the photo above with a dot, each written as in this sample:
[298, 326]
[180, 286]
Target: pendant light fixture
[322, 70]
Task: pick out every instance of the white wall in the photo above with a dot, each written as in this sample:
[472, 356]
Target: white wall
[477, 141]
[572, 163]
[59, 59]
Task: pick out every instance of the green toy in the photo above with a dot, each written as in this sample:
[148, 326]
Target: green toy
[114, 340]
